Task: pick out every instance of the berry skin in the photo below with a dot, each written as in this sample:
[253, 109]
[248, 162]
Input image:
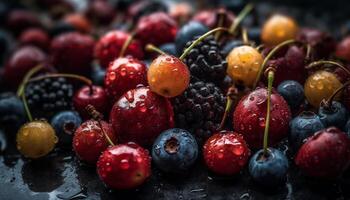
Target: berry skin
[227, 48]
[175, 151]
[226, 153]
[72, 52]
[109, 45]
[303, 126]
[249, 117]
[292, 92]
[325, 155]
[98, 75]
[100, 12]
[157, 28]
[98, 98]
[347, 128]
[144, 7]
[334, 115]
[209, 18]
[89, 141]
[271, 170]
[169, 48]
[36, 139]
[19, 20]
[65, 123]
[12, 113]
[124, 74]
[168, 76]
[78, 21]
[320, 86]
[35, 37]
[343, 49]
[140, 115]
[243, 64]
[124, 166]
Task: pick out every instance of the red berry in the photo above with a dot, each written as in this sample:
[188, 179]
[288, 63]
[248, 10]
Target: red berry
[226, 153]
[84, 97]
[141, 115]
[89, 141]
[157, 29]
[72, 52]
[35, 37]
[325, 154]
[100, 12]
[19, 20]
[124, 166]
[210, 18]
[124, 74]
[249, 117]
[108, 47]
[343, 49]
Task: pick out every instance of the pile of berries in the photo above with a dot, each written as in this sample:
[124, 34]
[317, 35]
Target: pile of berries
[87, 83]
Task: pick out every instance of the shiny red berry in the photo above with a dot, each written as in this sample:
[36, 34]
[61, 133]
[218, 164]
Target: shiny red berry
[100, 12]
[140, 115]
[124, 166]
[35, 37]
[210, 18]
[226, 153]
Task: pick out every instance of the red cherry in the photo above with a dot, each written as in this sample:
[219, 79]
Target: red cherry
[72, 52]
[100, 12]
[108, 47]
[325, 154]
[343, 49]
[141, 115]
[35, 37]
[157, 29]
[124, 166]
[249, 117]
[98, 98]
[89, 140]
[209, 18]
[226, 153]
[124, 74]
[19, 20]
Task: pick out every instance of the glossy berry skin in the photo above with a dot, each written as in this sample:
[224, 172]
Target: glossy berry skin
[169, 48]
[124, 166]
[343, 49]
[65, 123]
[100, 12]
[243, 64]
[334, 115]
[278, 28]
[226, 153]
[320, 86]
[98, 98]
[250, 113]
[157, 29]
[303, 126]
[209, 18]
[89, 140]
[168, 76]
[140, 116]
[35, 37]
[271, 170]
[325, 155]
[12, 113]
[124, 74]
[36, 139]
[230, 45]
[109, 45]
[292, 92]
[175, 151]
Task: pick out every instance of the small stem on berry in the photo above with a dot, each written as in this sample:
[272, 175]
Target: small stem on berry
[126, 44]
[240, 17]
[197, 41]
[321, 62]
[29, 74]
[270, 78]
[260, 47]
[308, 52]
[222, 16]
[229, 96]
[245, 38]
[152, 48]
[26, 107]
[329, 101]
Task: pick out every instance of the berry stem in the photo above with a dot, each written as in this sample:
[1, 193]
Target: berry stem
[240, 17]
[270, 78]
[126, 44]
[321, 62]
[221, 16]
[245, 38]
[26, 107]
[230, 93]
[329, 101]
[152, 48]
[29, 74]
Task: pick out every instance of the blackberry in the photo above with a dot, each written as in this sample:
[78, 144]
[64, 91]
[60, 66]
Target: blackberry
[47, 97]
[206, 62]
[199, 109]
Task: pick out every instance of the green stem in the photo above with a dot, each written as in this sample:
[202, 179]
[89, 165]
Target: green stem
[221, 16]
[105, 134]
[126, 44]
[245, 38]
[29, 74]
[24, 101]
[229, 96]
[152, 48]
[321, 62]
[335, 93]
[240, 17]
[270, 78]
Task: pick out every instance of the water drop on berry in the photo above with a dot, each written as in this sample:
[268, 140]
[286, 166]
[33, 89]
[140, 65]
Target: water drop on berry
[124, 164]
[261, 121]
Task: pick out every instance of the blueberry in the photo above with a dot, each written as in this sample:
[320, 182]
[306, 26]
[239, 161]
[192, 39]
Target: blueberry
[12, 113]
[226, 49]
[269, 170]
[98, 75]
[254, 34]
[175, 151]
[169, 48]
[187, 33]
[302, 127]
[334, 115]
[292, 92]
[65, 123]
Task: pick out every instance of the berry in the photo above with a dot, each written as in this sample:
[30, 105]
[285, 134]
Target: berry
[72, 52]
[303, 126]
[141, 115]
[35, 37]
[19, 20]
[243, 64]
[168, 76]
[319, 86]
[347, 128]
[146, 7]
[254, 34]
[249, 117]
[6, 45]
[100, 12]
[205, 61]
[122, 75]
[227, 48]
[325, 155]
[278, 28]
[124, 166]
[199, 109]
[333, 115]
[36, 139]
[49, 96]
[65, 123]
[175, 151]
[292, 92]
[226, 153]
[209, 18]
[169, 48]
[98, 75]
[89, 140]
[109, 45]
[12, 113]
[78, 21]
[269, 170]
[343, 49]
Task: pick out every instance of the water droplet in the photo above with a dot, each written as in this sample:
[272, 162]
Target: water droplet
[123, 72]
[112, 76]
[124, 164]
[220, 155]
[261, 121]
[25, 133]
[251, 98]
[238, 150]
[319, 86]
[242, 127]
